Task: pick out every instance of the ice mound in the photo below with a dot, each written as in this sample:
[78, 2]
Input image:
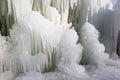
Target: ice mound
[93, 49]
[70, 50]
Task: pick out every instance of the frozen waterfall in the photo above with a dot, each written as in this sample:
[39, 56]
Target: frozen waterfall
[59, 40]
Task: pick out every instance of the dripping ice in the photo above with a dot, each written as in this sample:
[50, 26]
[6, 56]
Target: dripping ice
[57, 40]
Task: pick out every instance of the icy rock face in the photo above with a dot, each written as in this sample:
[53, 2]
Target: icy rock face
[116, 18]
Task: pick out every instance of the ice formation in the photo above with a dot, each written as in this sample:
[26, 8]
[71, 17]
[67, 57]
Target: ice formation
[93, 49]
[55, 40]
[116, 18]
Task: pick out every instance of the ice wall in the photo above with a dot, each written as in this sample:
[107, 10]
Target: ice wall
[57, 40]
[37, 41]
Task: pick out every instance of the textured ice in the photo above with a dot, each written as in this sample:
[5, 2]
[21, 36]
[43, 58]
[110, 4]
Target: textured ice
[94, 51]
[43, 46]
[69, 47]
[108, 73]
[7, 75]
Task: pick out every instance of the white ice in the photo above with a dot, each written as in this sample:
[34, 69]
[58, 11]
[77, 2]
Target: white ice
[43, 46]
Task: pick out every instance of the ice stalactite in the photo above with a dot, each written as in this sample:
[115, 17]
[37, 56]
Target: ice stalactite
[86, 9]
[6, 20]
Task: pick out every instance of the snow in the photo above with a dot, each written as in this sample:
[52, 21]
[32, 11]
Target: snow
[7, 75]
[108, 73]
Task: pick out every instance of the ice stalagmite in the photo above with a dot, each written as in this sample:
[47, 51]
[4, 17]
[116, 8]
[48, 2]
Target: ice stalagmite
[93, 49]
